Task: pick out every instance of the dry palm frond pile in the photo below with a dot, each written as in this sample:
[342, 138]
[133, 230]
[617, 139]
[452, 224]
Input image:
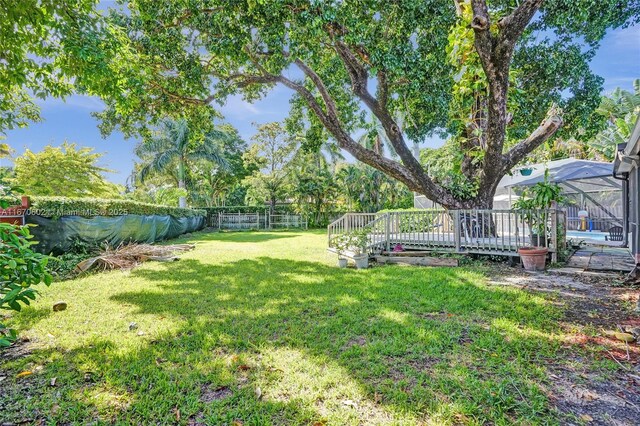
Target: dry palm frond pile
[126, 256]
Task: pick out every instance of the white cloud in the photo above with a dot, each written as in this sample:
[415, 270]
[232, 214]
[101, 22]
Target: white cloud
[75, 101]
[627, 38]
[237, 106]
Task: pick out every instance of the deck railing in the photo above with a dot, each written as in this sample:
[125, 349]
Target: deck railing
[482, 231]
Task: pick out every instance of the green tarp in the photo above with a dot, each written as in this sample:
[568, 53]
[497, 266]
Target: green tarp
[57, 235]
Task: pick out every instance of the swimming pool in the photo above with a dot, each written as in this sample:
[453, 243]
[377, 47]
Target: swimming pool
[586, 235]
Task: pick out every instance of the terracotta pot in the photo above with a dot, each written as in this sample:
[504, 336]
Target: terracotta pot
[533, 258]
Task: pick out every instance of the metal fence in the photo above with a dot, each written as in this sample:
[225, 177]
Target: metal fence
[245, 221]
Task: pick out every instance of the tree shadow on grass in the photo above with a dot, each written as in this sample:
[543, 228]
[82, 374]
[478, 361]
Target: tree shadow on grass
[420, 339]
[386, 345]
[245, 237]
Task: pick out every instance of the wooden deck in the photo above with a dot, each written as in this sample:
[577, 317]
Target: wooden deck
[491, 232]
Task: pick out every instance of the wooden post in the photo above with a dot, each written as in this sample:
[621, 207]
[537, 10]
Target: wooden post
[456, 230]
[387, 231]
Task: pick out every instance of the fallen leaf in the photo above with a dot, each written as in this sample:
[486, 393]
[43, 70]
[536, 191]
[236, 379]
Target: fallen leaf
[53, 381]
[243, 367]
[586, 394]
[177, 412]
[258, 393]
[586, 418]
[24, 374]
[348, 403]
[237, 423]
[377, 398]
[625, 337]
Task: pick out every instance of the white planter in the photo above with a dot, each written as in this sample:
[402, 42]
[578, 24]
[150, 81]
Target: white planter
[362, 262]
[342, 263]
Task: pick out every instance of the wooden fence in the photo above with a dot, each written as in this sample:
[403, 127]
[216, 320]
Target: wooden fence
[494, 232]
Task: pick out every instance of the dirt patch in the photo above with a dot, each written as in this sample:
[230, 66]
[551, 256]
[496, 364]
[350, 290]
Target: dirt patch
[587, 397]
[209, 393]
[19, 349]
[591, 304]
[357, 341]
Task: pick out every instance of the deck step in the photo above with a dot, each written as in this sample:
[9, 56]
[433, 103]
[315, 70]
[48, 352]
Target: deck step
[409, 253]
[414, 260]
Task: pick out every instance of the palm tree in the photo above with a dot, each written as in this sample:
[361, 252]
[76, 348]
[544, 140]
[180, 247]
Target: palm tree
[173, 148]
[621, 109]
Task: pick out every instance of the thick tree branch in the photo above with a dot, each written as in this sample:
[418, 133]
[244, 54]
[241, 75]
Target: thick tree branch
[332, 109]
[546, 129]
[332, 124]
[330, 120]
[359, 83]
[512, 26]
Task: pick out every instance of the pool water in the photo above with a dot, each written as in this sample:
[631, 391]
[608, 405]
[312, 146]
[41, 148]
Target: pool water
[593, 235]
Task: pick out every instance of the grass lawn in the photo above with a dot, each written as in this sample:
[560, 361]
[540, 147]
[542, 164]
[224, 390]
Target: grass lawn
[262, 328]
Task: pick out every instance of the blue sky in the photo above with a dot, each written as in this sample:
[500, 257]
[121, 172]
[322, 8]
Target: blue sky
[617, 60]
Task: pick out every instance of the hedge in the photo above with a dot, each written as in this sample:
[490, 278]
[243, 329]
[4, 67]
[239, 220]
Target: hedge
[88, 207]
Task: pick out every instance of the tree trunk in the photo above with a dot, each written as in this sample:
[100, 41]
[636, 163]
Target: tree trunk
[272, 205]
[182, 201]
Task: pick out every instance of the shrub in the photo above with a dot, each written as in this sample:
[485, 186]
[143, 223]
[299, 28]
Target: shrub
[20, 268]
[63, 267]
[63, 206]
[423, 222]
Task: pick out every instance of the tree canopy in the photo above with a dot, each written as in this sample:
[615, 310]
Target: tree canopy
[496, 78]
[174, 146]
[65, 171]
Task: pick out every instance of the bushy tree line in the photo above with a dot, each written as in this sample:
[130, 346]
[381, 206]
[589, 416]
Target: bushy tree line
[272, 169]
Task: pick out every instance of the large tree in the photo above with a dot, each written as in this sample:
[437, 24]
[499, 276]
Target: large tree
[174, 147]
[498, 78]
[65, 170]
[270, 157]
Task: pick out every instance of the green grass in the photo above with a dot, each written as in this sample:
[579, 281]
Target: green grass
[264, 329]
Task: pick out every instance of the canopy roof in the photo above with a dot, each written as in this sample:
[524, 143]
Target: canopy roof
[573, 175]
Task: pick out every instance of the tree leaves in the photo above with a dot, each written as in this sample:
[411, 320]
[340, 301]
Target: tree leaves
[20, 268]
[66, 171]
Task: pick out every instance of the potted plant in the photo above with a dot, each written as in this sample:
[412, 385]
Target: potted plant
[358, 245]
[533, 258]
[354, 245]
[540, 197]
[341, 244]
[526, 171]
